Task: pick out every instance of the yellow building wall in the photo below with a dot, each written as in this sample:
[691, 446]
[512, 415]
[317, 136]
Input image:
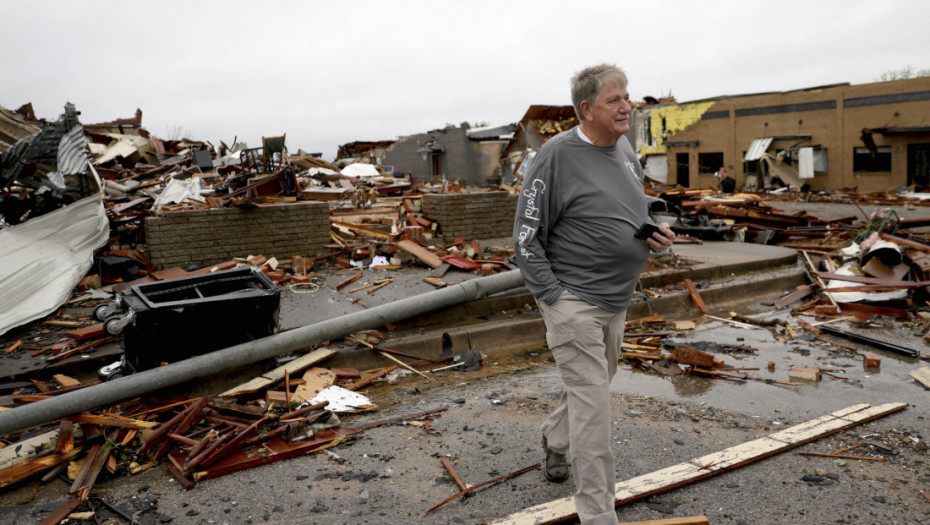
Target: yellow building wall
[677, 118]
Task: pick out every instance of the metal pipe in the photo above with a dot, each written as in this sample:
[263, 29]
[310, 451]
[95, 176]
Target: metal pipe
[134, 385]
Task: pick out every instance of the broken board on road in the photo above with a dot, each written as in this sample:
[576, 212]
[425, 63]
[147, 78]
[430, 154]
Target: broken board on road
[640, 487]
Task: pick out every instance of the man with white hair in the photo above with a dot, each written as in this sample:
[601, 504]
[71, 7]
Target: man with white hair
[577, 244]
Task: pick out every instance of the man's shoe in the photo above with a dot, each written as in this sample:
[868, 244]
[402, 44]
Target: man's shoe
[556, 468]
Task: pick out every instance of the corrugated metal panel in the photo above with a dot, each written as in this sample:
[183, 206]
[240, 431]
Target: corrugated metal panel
[44, 258]
[758, 148]
[72, 152]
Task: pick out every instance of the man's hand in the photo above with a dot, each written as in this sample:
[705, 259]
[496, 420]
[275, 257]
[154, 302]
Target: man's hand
[661, 240]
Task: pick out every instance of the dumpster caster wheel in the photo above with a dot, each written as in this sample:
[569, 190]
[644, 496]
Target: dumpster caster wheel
[104, 311]
[112, 326]
[99, 312]
[111, 371]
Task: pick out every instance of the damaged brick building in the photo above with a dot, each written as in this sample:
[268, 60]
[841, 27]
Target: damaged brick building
[868, 136]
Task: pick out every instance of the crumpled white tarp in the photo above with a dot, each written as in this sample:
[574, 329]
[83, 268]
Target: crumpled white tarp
[178, 191]
[44, 258]
[361, 170]
[342, 400]
[324, 171]
[855, 297]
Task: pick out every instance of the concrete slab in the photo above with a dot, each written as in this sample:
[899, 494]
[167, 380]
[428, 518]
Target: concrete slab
[735, 274]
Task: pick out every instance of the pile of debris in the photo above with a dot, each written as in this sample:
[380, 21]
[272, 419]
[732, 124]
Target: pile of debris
[286, 412]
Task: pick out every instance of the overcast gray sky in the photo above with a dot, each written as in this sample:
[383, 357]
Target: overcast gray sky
[328, 73]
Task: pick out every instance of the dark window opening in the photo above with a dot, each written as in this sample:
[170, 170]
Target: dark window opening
[709, 162]
[865, 161]
[682, 170]
[750, 167]
[437, 163]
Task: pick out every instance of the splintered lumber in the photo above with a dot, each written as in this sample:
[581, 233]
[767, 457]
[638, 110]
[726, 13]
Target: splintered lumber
[425, 256]
[688, 520]
[480, 485]
[62, 511]
[405, 365]
[841, 456]
[27, 449]
[696, 296]
[921, 375]
[191, 415]
[269, 378]
[697, 469]
[367, 380]
[272, 451]
[165, 428]
[87, 332]
[417, 415]
[112, 421]
[91, 467]
[691, 356]
[59, 323]
[799, 293]
[65, 381]
[35, 466]
[435, 281]
[180, 477]
[441, 270]
[452, 472]
[734, 322]
[369, 285]
[348, 280]
[382, 284]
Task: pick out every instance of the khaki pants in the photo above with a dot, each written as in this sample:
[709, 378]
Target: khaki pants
[585, 341]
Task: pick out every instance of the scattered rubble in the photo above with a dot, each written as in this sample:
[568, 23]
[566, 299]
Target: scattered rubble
[862, 270]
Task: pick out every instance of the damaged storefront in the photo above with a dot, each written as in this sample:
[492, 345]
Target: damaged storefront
[865, 136]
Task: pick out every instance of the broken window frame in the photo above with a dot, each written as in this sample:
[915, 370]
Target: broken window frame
[710, 162]
[865, 162]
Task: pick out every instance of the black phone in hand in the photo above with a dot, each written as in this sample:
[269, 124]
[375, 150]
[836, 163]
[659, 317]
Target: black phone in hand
[645, 231]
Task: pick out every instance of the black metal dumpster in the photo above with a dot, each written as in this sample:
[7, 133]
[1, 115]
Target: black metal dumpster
[167, 321]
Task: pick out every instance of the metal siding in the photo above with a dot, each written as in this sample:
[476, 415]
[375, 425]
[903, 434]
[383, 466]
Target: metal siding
[758, 148]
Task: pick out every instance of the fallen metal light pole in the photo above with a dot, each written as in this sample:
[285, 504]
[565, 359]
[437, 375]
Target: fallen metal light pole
[871, 341]
[134, 385]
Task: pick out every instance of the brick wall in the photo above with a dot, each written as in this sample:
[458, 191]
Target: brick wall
[212, 236]
[472, 215]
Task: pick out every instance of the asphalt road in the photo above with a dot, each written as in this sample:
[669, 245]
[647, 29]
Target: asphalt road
[392, 474]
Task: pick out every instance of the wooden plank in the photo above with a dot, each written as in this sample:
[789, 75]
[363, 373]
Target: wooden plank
[272, 451]
[88, 332]
[62, 511]
[689, 520]
[347, 280]
[27, 449]
[706, 466]
[696, 296]
[368, 379]
[922, 375]
[113, 421]
[269, 378]
[425, 256]
[35, 466]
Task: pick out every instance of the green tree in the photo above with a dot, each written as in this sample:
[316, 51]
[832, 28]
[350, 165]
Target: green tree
[903, 73]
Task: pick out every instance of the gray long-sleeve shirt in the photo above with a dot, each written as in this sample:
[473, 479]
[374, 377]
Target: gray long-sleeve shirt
[576, 216]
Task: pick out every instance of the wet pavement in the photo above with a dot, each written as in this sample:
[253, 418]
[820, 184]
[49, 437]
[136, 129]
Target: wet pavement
[492, 423]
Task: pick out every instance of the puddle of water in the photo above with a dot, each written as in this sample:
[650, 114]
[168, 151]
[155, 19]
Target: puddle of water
[773, 402]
